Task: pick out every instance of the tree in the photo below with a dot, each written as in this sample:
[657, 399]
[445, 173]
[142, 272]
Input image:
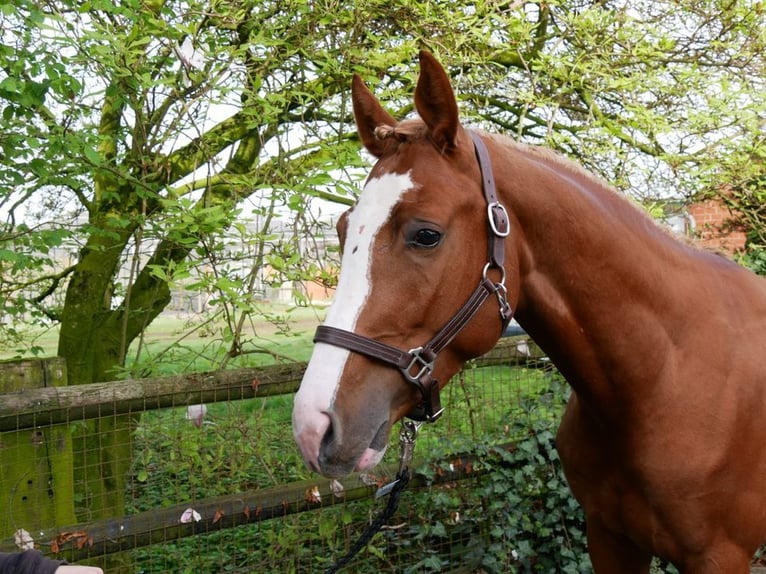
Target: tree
[145, 132]
[110, 144]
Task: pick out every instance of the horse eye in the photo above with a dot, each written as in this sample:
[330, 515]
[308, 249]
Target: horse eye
[427, 238]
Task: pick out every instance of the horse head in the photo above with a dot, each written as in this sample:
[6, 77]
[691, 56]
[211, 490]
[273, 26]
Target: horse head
[407, 312]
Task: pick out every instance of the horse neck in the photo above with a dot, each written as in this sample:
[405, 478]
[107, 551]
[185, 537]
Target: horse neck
[589, 267]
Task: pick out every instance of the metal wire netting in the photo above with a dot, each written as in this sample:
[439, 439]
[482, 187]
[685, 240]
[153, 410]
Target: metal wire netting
[222, 488]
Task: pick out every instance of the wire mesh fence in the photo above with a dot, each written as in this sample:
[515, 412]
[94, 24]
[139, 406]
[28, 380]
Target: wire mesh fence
[200, 474]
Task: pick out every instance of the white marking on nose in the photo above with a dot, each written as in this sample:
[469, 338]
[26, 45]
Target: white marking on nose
[320, 382]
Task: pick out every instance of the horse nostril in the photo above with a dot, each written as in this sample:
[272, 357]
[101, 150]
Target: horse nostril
[329, 442]
[309, 427]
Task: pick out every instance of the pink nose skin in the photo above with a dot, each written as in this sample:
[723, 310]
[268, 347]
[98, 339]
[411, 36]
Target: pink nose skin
[308, 435]
[370, 458]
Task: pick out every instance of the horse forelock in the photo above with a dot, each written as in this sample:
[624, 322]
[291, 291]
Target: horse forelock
[404, 131]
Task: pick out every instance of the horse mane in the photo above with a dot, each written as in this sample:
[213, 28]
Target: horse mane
[552, 156]
[549, 155]
[415, 129]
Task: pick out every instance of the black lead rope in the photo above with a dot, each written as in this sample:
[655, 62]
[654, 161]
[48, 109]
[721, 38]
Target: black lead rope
[394, 490]
[401, 482]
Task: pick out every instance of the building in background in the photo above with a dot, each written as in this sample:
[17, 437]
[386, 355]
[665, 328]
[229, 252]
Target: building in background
[714, 224]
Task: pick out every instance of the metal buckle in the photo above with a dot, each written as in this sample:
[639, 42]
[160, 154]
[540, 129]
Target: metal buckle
[493, 223]
[487, 267]
[407, 435]
[417, 359]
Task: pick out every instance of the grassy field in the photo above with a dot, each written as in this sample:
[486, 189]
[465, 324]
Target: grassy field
[186, 342]
[174, 344]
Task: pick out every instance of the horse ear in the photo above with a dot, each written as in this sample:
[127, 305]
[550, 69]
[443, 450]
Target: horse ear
[435, 102]
[369, 114]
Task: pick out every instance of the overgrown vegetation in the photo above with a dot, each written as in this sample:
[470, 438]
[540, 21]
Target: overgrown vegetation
[519, 516]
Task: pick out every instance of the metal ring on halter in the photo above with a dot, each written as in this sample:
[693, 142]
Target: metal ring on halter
[489, 266]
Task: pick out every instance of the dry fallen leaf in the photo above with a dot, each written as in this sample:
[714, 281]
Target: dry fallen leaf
[79, 536]
[313, 496]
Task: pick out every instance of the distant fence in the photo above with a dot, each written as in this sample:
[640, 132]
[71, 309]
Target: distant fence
[203, 494]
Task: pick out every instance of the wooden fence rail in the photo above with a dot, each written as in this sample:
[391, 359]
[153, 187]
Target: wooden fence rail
[54, 405]
[82, 541]
[24, 409]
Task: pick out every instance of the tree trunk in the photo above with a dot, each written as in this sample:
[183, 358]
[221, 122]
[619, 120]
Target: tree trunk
[91, 342]
[90, 345]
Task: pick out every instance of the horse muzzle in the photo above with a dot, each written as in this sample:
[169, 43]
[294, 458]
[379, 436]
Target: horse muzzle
[334, 449]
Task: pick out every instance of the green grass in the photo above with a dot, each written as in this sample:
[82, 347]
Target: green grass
[173, 345]
[187, 343]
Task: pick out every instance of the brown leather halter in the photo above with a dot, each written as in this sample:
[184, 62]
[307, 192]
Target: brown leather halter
[417, 365]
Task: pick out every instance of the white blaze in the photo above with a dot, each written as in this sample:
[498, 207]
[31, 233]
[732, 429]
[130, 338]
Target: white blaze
[320, 382]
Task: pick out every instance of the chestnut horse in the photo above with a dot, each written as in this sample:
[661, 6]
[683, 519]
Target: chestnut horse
[663, 441]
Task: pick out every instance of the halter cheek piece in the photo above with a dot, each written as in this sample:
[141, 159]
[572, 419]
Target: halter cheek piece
[417, 365]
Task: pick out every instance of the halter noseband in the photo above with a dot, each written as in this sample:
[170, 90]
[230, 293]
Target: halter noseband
[417, 365]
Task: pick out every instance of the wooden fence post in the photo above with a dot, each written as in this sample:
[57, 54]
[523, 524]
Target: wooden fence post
[36, 478]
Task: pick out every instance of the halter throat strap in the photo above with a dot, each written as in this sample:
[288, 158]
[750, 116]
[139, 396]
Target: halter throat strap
[417, 364]
[497, 216]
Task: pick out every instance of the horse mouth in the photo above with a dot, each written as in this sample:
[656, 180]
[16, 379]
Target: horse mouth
[336, 461]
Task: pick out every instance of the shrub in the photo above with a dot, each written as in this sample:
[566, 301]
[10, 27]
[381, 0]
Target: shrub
[520, 516]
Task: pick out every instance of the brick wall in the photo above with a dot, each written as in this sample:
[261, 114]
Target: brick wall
[713, 225]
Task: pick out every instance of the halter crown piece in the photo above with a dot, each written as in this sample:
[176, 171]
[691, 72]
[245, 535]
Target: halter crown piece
[417, 365]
